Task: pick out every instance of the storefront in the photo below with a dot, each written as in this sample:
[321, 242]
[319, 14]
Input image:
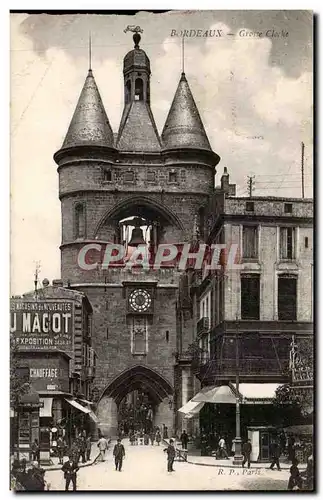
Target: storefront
[216, 407]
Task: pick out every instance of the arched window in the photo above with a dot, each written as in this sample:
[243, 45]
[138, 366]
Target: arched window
[128, 91]
[139, 90]
[80, 220]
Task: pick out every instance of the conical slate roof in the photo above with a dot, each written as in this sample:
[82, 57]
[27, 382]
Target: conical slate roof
[184, 127]
[138, 131]
[90, 125]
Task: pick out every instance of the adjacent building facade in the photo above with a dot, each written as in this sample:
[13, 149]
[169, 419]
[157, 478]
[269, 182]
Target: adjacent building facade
[52, 333]
[250, 311]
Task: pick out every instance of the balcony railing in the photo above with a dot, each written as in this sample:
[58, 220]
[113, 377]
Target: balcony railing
[226, 368]
[202, 326]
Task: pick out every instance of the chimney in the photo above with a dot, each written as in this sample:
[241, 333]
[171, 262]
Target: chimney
[225, 180]
[57, 283]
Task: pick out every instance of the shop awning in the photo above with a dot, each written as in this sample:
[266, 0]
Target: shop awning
[85, 401]
[257, 393]
[46, 410]
[77, 405]
[191, 408]
[93, 417]
[220, 395]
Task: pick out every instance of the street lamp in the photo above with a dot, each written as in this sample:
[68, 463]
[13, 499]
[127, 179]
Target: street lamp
[238, 458]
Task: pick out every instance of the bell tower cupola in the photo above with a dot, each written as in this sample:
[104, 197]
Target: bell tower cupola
[136, 72]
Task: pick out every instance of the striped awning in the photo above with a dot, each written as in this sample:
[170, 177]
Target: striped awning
[220, 395]
[191, 408]
[78, 406]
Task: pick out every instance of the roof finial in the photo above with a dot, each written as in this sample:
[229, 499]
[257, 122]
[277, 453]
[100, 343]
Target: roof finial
[90, 52]
[183, 72]
[136, 37]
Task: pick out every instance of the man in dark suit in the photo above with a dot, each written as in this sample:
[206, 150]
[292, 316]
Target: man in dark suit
[275, 454]
[70, 469]
[118, 453]
[184, 440]
[171, 452]
[246, 451]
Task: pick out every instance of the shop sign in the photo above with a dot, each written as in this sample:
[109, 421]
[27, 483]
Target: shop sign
[32, 405]
[42, 324]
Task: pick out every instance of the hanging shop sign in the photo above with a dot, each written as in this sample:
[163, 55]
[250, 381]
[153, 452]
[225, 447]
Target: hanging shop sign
[42, 324]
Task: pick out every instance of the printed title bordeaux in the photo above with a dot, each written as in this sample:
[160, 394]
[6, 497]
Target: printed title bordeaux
[218, 33]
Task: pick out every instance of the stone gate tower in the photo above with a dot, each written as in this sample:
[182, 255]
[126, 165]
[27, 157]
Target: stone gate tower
[124, 188]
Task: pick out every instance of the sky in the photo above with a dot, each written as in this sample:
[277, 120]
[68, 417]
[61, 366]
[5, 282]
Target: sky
[254, 95]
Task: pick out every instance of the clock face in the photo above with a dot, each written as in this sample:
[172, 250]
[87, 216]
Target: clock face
[140, 300]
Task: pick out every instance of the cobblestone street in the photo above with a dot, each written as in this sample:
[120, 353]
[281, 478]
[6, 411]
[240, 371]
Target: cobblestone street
[144, 468]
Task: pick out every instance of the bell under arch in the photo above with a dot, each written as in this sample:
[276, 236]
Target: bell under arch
[161, 223]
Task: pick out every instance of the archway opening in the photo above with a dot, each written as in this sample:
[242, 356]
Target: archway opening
[142, 398]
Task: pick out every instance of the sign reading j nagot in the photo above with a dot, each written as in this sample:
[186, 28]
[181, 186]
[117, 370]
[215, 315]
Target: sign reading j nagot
[42, 324]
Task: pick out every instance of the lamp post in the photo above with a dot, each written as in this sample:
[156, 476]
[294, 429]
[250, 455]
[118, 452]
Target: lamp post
[238, 458]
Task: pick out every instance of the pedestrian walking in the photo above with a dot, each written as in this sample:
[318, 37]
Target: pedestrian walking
[291, 448]
[246, 452]
[60, 449]
[88, 447]
[152, 438]
[184, 440]
[309, 472]
[119, 454]
[158, 437]
[82, 441]
[295, 481]
[35, 478]
[165, 432]
[70, 469]
[132, 438]
[223, 449]
[18, 476]
[275, 454]
[171, 452]
[103, 446]
[35, 450]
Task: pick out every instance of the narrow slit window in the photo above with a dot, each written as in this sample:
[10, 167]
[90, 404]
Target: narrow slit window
[167, 336]
[107, 176]
[79, 221]
[172, 177]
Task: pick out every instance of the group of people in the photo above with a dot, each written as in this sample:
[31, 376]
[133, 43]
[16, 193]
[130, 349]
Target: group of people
[25, 478]
[144, 438]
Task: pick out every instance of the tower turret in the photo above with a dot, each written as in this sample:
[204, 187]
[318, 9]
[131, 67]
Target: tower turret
[90, 125]
[184, 128]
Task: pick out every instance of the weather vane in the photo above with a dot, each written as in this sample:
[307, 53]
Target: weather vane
[133, 29]
[136, 30]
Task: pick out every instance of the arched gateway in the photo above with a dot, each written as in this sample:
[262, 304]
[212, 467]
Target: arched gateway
[132, 187]
[139, 397]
